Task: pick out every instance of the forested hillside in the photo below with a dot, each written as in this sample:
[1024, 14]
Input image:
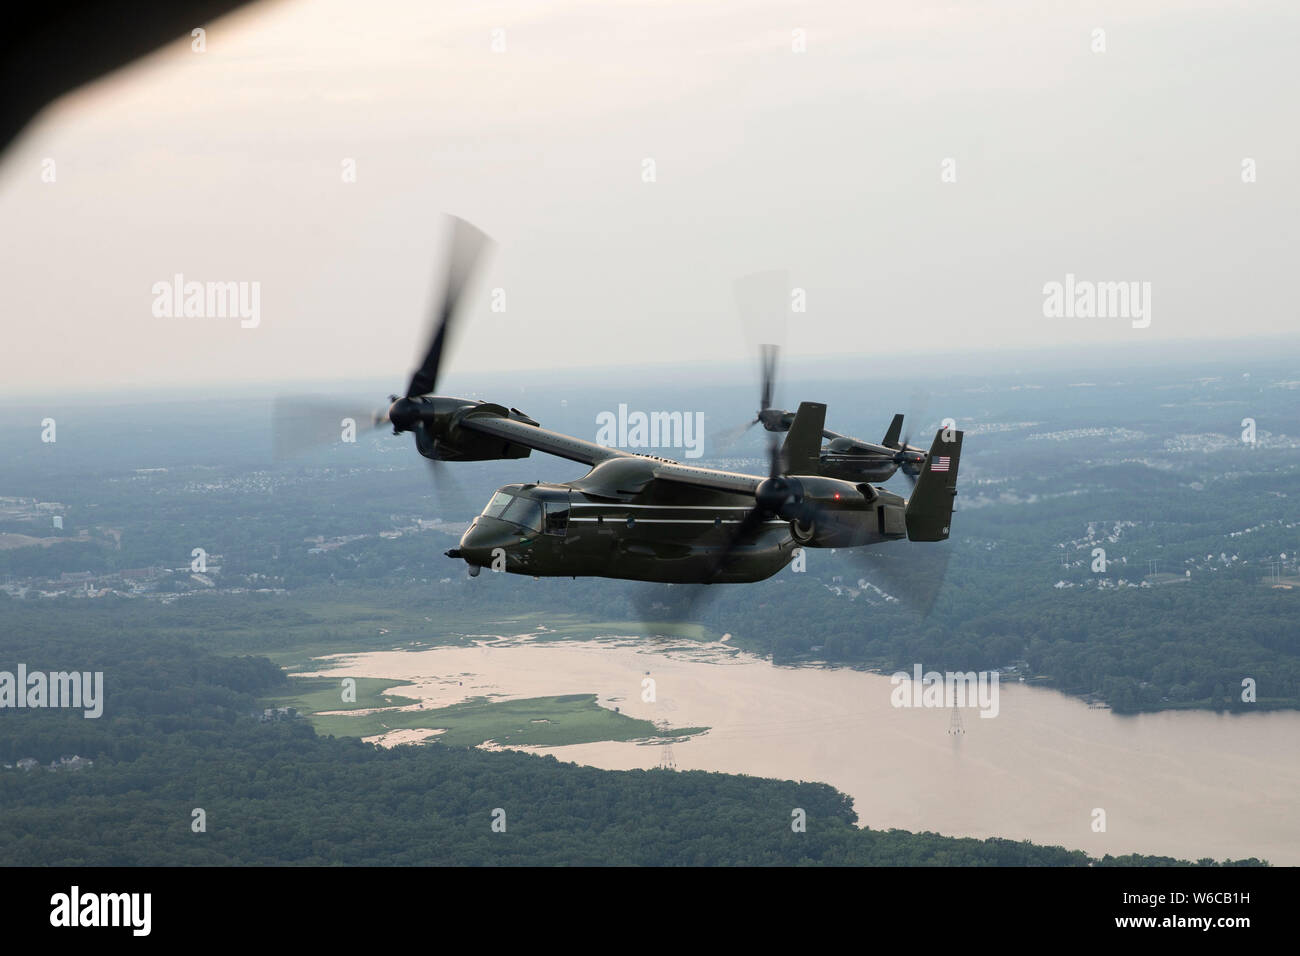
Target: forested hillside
[181, 731]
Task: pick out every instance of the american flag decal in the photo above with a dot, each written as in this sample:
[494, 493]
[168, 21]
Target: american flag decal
[940, 464]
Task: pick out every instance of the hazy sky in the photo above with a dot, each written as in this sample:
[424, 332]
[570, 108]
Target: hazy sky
[226, 165]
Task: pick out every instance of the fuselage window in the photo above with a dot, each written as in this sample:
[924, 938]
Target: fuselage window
[557, 517]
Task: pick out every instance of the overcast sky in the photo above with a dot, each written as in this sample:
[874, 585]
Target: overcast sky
[227, 165]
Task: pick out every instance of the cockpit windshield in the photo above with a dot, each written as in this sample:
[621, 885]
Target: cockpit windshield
[526, 512]
[497, 506]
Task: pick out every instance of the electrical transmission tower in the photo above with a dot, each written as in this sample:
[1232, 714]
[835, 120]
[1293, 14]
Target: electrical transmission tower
[666, 759]
[954, 721]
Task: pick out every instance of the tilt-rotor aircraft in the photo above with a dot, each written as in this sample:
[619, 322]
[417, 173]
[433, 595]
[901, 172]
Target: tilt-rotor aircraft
[644, 518]
[845, 457]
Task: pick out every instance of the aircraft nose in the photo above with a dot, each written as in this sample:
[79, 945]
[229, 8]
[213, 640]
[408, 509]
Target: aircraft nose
[484, 540]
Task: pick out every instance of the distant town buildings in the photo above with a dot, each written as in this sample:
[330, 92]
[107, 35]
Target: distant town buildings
[72, 763]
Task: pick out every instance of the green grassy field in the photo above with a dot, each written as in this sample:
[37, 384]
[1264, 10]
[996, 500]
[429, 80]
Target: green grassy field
[296, 631]
[314, 694]
[540, 721]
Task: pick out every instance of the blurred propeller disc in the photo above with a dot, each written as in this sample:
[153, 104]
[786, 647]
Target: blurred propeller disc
[914, 418]
[911, 573]
[450, 493]
[302, 423]
[763, 302]
[468, 244]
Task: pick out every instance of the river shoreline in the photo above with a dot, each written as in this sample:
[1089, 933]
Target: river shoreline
[1047, 767]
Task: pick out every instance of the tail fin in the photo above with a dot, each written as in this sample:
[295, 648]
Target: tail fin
[929, 510]
[803, 445]
[895, 429]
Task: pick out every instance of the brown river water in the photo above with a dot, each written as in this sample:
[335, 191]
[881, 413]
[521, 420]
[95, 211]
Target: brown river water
[1188, 784]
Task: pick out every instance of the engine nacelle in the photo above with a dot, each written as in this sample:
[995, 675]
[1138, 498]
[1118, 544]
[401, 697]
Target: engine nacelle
[441, 435]
[829, 513]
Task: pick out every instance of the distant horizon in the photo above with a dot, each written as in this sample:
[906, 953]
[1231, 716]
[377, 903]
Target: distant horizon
[793, 368]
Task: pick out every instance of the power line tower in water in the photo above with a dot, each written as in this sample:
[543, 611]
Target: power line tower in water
[666, 759]
[1275, 573]
[954, 721]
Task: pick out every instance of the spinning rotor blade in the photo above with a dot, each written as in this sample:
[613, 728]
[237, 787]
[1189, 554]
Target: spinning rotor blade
[657, 604]
[767, 356]
[449, 492]
[913, 575]
[299, 424]
[767, 505]
[681, 600]
[467, 246]
[725, 439]
[909, 458]
[763, 302]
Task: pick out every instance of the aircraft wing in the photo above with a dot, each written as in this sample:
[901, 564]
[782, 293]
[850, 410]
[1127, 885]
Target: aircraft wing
[589, 453]
[708, 478]
[542, 439]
